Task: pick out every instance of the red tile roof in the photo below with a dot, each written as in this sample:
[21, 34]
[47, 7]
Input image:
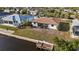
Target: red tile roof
[46, 20]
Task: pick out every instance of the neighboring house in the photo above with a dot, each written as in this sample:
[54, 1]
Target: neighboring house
[75, 27]
[49, 23]
[77, 11]
[33, 12]
[67, 10]
[3, 14]
[7, 10]
[15, 19]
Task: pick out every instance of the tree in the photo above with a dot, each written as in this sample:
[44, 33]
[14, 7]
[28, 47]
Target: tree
[24, 11]
[23, 24]
[63, 45]
[60, 44]
[63, 26]
[66, 15]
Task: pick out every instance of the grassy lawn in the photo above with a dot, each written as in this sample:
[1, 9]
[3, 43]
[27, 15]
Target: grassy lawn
[27, 32]
[8, 27]
[40, 35]
[65, 44]
[34, 34]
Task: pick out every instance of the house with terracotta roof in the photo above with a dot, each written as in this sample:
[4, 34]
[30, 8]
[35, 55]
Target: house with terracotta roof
[50, 23]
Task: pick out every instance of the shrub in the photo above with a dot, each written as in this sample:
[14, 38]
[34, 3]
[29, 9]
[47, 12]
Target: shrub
[24, 11]
[63, 26]
[62, 45]
[24, 24]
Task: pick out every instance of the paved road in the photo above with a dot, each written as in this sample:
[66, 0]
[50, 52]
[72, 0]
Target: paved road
[14, 44]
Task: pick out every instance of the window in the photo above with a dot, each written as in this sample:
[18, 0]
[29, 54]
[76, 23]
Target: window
[5, 21]
[1, 21]
[52, 25]
[10, 22]
[14, 19]
[34, 22]
[15, 22]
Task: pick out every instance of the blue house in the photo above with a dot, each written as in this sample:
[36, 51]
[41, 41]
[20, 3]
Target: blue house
[4, 13]
[15, 19]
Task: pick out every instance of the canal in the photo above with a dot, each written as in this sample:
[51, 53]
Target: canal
[14, 44]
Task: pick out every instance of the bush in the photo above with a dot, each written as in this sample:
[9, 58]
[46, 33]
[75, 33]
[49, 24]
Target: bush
[62, 45]
[23, 24]
[24, 11]
[63, 26]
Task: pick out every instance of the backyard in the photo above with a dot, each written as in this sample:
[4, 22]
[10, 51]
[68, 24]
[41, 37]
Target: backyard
[38, 33]
[61, 40]
[42, 34]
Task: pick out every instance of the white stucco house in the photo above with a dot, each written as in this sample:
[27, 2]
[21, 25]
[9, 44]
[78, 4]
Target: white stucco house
[74, 28]
[33, 12]
[7, 10]
[49, 23]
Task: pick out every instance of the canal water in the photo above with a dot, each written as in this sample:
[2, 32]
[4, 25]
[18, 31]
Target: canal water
[14, 44]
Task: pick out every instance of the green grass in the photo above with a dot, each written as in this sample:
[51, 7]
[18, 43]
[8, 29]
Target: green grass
[27, 32]
[30, 33]
[8, 27]
[61, 45]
